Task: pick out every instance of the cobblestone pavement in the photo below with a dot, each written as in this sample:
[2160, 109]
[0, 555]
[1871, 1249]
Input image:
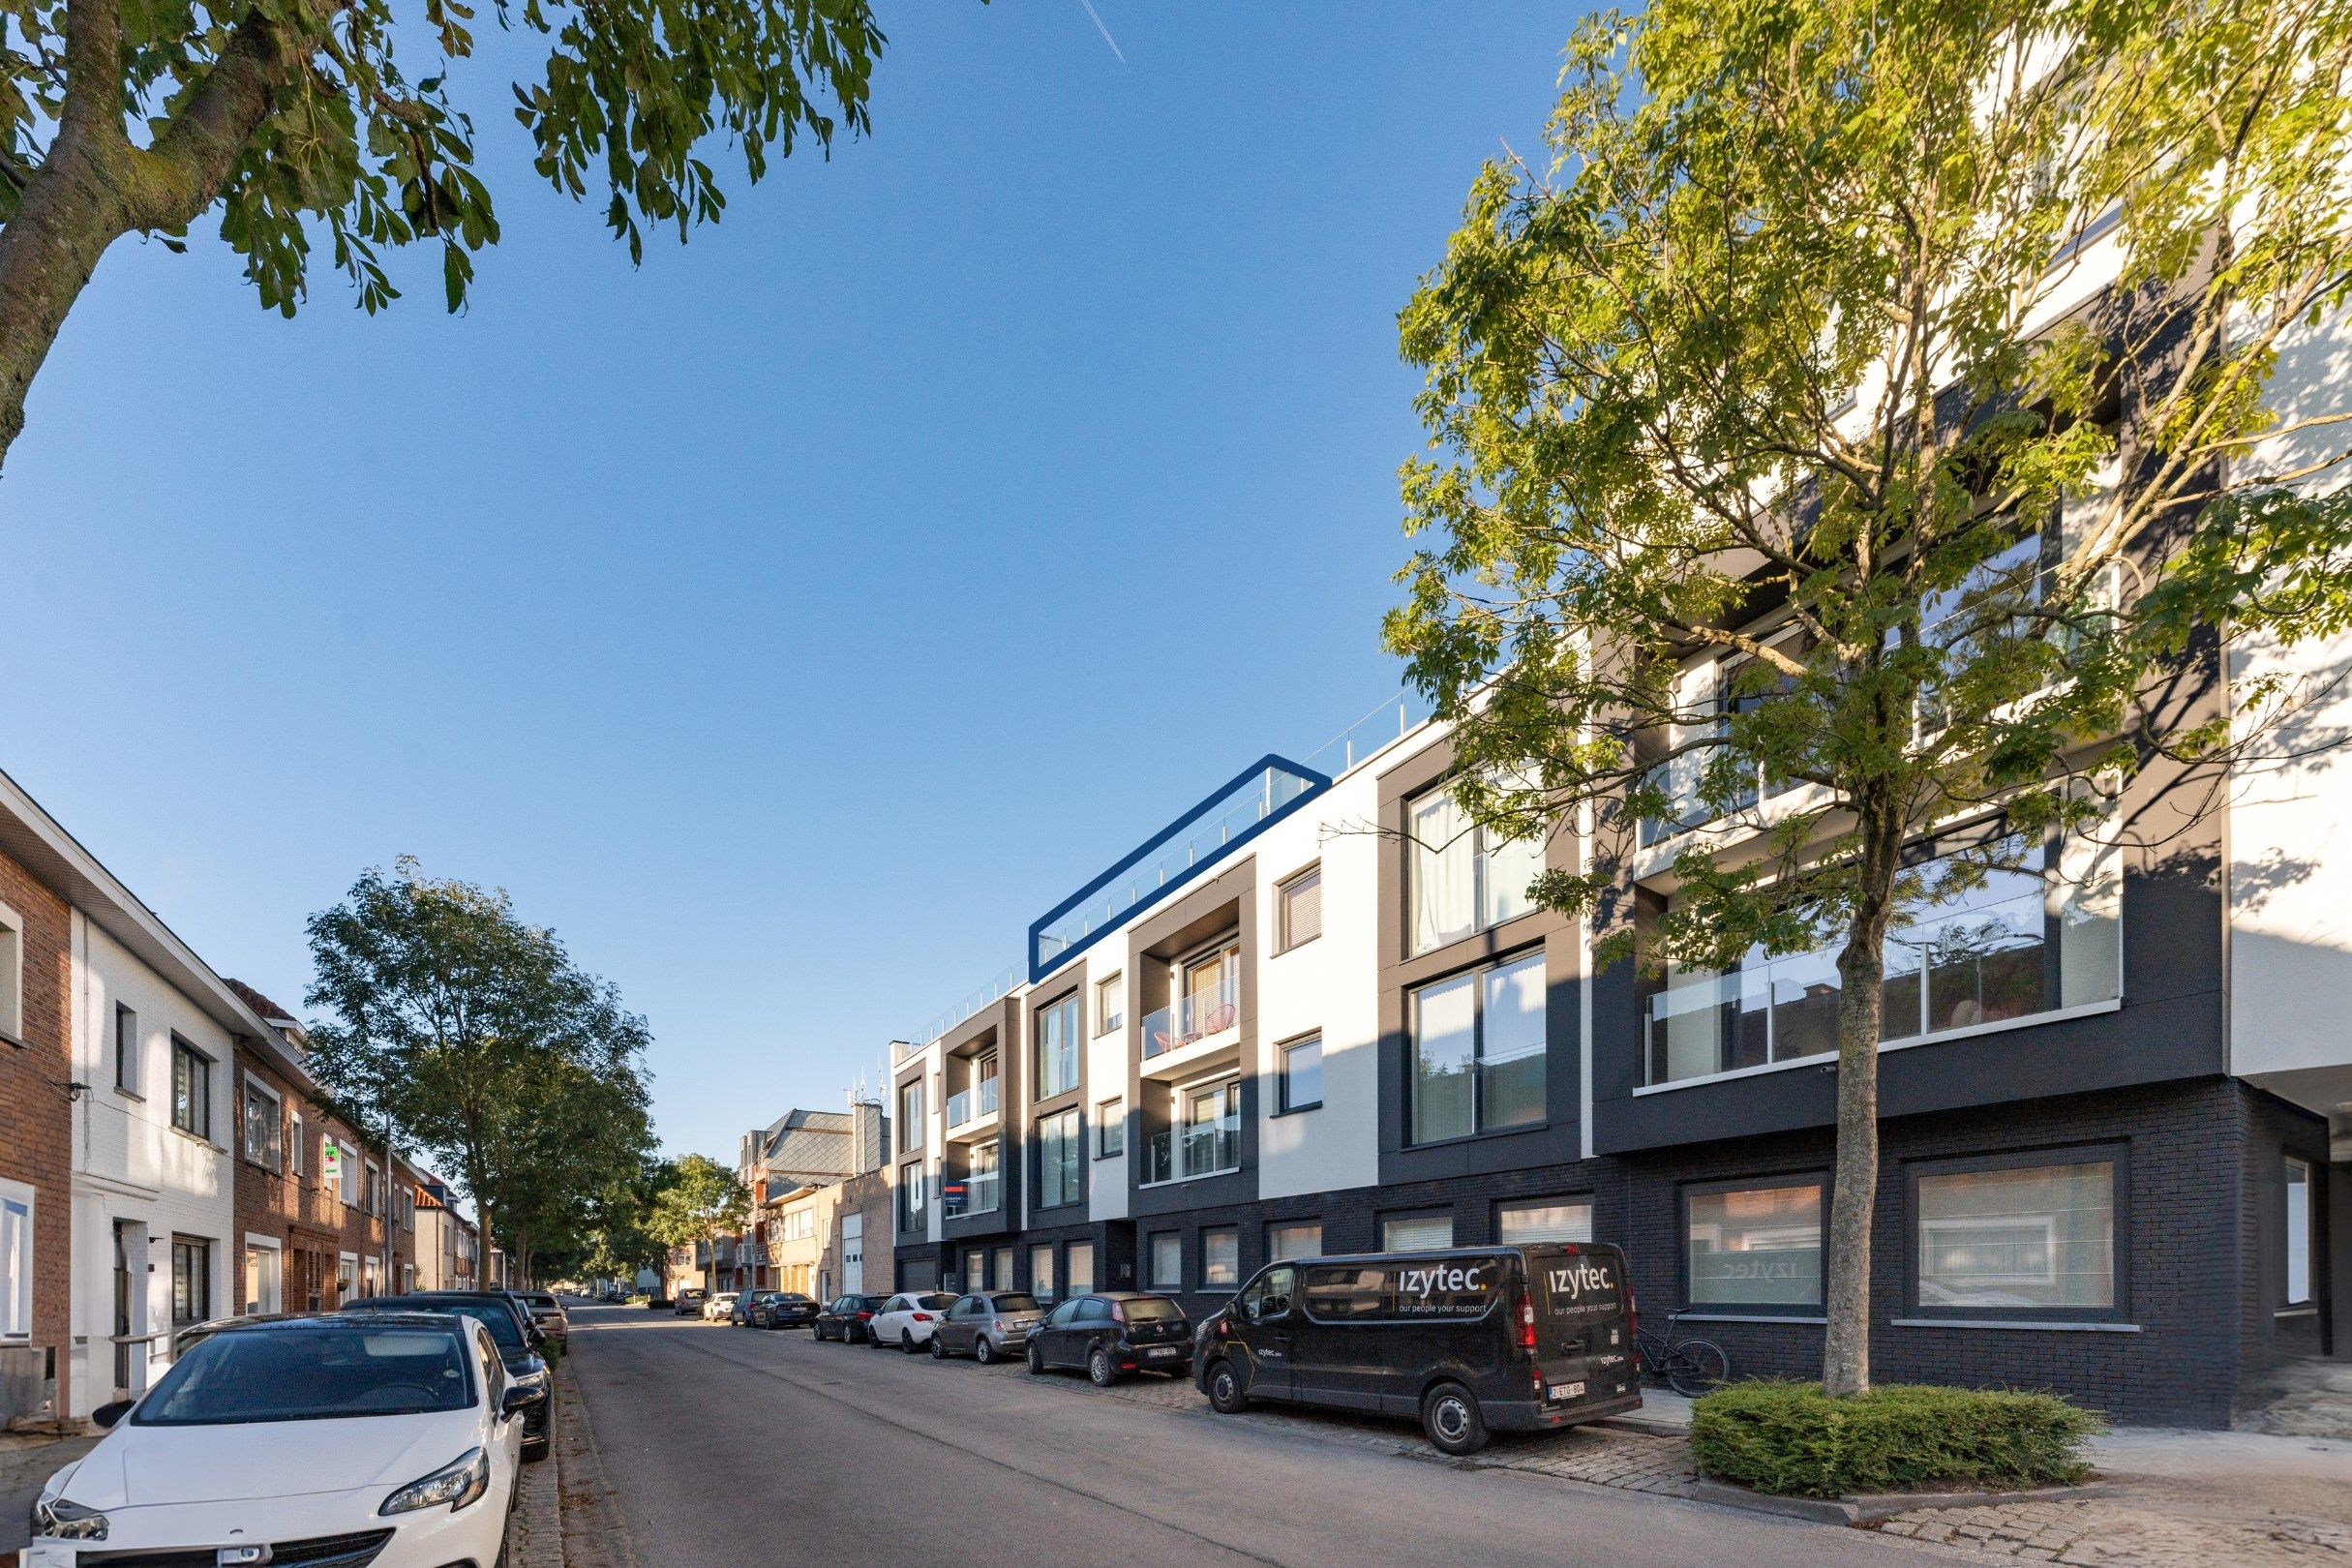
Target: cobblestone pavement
[534, 1535]
[2129, 1532]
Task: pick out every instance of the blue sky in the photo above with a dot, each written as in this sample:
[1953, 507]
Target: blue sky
[790, 621]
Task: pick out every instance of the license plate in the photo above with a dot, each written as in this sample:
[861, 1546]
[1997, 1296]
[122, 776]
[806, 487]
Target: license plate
[1566, 1391]
[1161, 1350]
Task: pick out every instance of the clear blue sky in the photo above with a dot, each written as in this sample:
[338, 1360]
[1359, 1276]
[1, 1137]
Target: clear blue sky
[790, 621]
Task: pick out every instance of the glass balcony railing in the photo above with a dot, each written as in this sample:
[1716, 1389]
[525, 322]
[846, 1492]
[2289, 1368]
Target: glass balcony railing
[972, 1103]
[1192, 1018]
[1179, 1153]
[982, 1193]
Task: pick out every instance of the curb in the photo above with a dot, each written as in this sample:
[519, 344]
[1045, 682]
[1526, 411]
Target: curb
[1644, 1426]
[1867, 1509]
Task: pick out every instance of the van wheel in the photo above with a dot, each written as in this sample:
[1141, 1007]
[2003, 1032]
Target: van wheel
[1037, 1362]
[1449, 1414]
[1225, 1391]
[1099, 1370]
[982, 1351]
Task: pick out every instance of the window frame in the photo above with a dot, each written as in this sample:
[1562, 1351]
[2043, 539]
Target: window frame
[193, 1250]
[910, 1212]
[1069, 1000]
[1442, 1211]
[1286, 940]
[1110, 1117]
[1481, 853]
[1200, 1248]
[914, 1116]
[1272, 1225]
[273, 1159]
[200, 1079]
[1077, 1135]
[2116, 1156]
[1818, 1179]
[296, 1164]
[19, 1304]
[1584, 1200]
[11, 976]
[1537, 951]
[1283, 1104]
[1105, 1021]
[127, 1054]
[1151, 1256]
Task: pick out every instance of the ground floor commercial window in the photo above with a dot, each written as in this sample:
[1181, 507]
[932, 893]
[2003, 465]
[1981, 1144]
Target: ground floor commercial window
[190, 1279]
[1167, 1261]
[2016, 1238]
[1040, 1271]
[1543, 1219]
[1219, 1257]
[1294, 1239]
[1755, 1247]
[1416, 1232]
[264, 1279]
[1080, 1272]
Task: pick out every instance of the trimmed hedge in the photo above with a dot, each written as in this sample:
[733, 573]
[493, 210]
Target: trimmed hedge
[1793, 1439]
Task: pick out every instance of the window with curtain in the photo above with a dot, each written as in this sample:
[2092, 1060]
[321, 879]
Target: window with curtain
[1416, 1232]
[1219, 1257]
[1059, 1154]
[1110, 1003]
[191, 1089]
[1478, 1051]
[1288, 1242]
[1543, 1219]
[1167, 1261]
[1081, 1270]
[2029, 1238]
[1299, 909]
[1041, 1272]
[1057, 1041]
[1459, 880]
[1755, 1247]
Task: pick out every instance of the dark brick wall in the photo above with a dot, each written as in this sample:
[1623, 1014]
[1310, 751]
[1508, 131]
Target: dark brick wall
[36, 1110]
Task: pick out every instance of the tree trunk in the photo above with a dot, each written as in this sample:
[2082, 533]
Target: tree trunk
[48, 248]
[1855, 1182]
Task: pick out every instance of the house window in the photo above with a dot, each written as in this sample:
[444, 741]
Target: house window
[1302, 1075]
[190, 1279]
[349, 1170]
[1543, 1219]
[2017, 1238]
[126, 1049]
[1755, 1247]
[191, 1089]
[264, 1138]
[983, 1191]
[374, 1203]
[909, 1196]
[1294, 1239]
[1167, 1261]
[12, 976]
[1457, 881]
[1478, 1052]
[1058, 1048]
[914, 1136]
[2299, 1247]
[1298, 909]
[1206, 1138]
[2045, 936]
[1110, 1003]
[1219, 1257]
[1209, 991]
[1079, 1275]
[294, 1144]
[1416, 1232]
[16, 1261]
[1060, 1150]
[1040, 1271]
[1110, 1128]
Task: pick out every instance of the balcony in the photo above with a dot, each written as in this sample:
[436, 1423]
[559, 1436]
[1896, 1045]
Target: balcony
[1193, 1028]
[983, 1192]
[974, 1104]
[1180, 1155]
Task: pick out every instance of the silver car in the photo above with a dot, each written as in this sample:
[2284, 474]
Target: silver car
[987, 1325]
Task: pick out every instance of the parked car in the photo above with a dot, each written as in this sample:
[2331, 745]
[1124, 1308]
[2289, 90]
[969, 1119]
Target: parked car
[510, 1330]
[657, 1303]
[848, 1318]
[421, 1462]
[784, 1308]
[1511, 1339]
[194, 1333]
[547, 1312]
[688, 1302]
[716, 1308]
[907, 1319]
[987, 1325]
[1113, 1334]
[740, 1314]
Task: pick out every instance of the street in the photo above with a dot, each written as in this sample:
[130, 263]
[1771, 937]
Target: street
[725, 1446]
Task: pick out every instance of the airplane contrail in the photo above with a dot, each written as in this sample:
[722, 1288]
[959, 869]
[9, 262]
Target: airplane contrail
[1104, 31]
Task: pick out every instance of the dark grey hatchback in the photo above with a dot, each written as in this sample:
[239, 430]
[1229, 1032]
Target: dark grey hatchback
[1114, 1334]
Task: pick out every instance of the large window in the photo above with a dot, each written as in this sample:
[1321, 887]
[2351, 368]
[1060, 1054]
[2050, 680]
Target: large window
[1755, 1247]
[1296, 1239]
[16, 1261]
[2017, 1238]
[1061, 1148]
[1478, 1052]
[1058, 1048]
[1167, 1261]
[1543, 1219]
[1212, 1129]
[913, 1135]
[264, 1142]
[1302, 1075]
[909, 1196]
[2037, 938]
[986, 1192]
[191, 1089]
[190, 1279]
[1297, 909]
[1458, 880]
[1219, 1257]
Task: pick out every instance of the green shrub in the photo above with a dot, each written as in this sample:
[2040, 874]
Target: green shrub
[1793, 1439]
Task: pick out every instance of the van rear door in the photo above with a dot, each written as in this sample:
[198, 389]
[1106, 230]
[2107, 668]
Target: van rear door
[1582, 1342]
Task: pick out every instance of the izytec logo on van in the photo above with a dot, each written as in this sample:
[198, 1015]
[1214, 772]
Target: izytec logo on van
[1580, 1287]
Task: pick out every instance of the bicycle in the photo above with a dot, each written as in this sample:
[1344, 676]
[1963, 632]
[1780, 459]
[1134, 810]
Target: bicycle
[1691, 1367]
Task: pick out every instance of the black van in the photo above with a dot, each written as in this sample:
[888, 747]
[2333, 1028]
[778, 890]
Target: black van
[1513, 1338]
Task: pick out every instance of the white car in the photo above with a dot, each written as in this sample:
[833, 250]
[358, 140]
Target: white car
[389, 1438]
[909, 1318]
[719, 1306]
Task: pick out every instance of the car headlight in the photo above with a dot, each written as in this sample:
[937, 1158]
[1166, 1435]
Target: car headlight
[65, 1520]
[457, 1484]
[535, 1382]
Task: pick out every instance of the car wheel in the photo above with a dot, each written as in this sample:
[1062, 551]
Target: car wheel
[938, 1346]
[1227, 1395]
[1099, 1368]
[533, 1452]
[982, 1351]
[1450, 1415]
[906, 1341]
[1037, 1362]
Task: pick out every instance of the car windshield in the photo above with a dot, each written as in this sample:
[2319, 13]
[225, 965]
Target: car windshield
[491, 1314]
[1016, 1301]
[1150, 1310]
[311, 1374]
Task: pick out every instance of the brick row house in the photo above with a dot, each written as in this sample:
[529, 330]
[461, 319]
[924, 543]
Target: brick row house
[163, 1158]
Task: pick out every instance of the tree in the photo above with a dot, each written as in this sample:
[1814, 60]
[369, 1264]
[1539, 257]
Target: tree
[1778, 344]
[296, 119]
[473, 1035]
[703, 1202]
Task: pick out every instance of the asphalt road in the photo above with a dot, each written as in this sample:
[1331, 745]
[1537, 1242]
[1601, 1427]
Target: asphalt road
[726, 1446]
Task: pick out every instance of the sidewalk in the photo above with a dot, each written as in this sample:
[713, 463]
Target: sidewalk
[25, 1464]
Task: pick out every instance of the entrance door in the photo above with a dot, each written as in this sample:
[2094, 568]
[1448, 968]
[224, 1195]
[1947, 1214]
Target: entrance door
[125, 1299]
[262, 1279]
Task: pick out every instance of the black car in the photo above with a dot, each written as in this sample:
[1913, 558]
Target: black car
[1522, 1339]
[510, 1330]
[783, 1309]
[848, 1318]
[1113, 1335]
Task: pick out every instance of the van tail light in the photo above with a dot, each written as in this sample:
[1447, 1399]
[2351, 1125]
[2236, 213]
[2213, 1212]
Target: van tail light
[1526, 1321]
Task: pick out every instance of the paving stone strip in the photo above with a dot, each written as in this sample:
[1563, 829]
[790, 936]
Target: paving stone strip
[535, 1534]
[2098, 1532]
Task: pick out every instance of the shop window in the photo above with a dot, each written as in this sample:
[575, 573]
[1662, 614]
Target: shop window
[1755, 1247]
[2016, 1238]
